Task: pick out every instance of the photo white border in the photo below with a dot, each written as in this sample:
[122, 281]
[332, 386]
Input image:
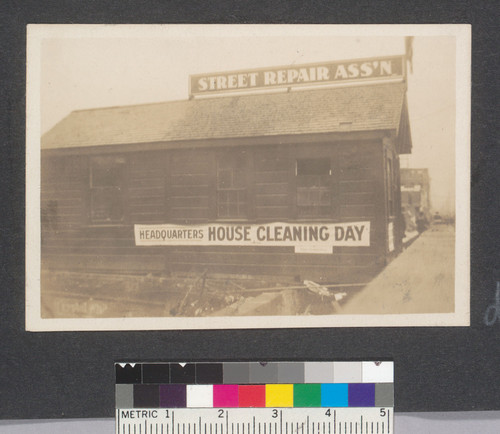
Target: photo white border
[461, 317]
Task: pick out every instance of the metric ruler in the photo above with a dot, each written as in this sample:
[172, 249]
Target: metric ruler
[255, 398]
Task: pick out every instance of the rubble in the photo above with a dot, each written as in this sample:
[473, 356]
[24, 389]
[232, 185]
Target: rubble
[92, 295]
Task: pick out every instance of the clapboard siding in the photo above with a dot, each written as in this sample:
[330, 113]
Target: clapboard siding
[70, 241]
[190, 182]
[63, 193]
[240, 257]
[272, 173]
[118, 263]
[146, 187]
[179, 186]
[263, 188]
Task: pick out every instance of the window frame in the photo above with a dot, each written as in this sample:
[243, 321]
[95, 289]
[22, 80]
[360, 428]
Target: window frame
[234, 155]
[121, 187]
[326, 186]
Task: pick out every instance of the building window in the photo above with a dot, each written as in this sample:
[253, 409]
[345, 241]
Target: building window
[232, 186]
[314, 191]
[107, 179]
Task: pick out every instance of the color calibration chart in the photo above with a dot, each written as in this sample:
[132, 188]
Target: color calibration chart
[255, 398]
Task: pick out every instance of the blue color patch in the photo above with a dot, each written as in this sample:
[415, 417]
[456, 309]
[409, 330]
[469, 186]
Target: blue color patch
[334, 395]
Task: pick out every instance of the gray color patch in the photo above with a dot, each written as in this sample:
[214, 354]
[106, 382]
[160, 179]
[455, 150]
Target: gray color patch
[124, 396]
[263, 372]
[318, 372]
[384, 395]
[236, 373]
[291, 372]
[347, 372]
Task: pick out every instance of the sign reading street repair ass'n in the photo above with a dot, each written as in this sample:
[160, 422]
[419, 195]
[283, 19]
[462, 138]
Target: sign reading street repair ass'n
[305, 238]
[380, 68]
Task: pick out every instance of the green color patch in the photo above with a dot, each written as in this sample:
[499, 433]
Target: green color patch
[307, 395]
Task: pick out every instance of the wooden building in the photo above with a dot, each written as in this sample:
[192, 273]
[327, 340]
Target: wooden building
[319, 155]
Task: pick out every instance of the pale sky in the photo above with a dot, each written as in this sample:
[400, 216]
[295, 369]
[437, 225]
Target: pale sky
[88, 70]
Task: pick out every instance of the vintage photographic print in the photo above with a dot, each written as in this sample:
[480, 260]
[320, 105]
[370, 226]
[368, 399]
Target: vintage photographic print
[247, 176]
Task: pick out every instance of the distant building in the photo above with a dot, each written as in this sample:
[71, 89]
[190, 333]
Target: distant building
[415, 194]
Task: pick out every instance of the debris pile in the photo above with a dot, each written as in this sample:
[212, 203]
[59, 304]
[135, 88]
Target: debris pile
[71, 294]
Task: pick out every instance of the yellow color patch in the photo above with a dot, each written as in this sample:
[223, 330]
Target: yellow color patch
[279, 395]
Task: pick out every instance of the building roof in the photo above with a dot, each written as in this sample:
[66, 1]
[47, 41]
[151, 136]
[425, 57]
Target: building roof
[325, 110]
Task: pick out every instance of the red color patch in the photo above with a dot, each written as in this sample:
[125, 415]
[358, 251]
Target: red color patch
[252, 396]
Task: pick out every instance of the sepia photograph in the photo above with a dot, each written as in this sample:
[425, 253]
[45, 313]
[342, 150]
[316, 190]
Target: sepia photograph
[247, 176]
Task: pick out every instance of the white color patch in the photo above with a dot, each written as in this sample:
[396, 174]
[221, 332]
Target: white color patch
[381, 373]
[199, 395]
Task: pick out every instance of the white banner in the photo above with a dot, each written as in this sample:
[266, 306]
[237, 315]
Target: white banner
[305, 237]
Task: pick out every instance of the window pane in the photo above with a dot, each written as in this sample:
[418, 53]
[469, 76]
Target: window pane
[231, 186]
[106, 193]
[239, 178]
[107, 171]
[106, 204]
[222, 210]
[313, 188]
[225, 179]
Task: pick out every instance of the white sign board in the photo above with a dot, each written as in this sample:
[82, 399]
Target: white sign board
[305, 237]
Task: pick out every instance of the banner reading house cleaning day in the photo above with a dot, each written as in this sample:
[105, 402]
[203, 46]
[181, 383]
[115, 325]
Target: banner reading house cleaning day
[313, 237]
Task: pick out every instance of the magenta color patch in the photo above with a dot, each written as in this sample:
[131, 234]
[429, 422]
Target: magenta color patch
[225, 395]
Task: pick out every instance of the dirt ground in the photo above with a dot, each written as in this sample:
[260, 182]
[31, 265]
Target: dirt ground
[87, 295]
[419, 280]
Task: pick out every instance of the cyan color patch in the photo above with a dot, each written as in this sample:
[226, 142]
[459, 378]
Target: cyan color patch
[334, 395]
